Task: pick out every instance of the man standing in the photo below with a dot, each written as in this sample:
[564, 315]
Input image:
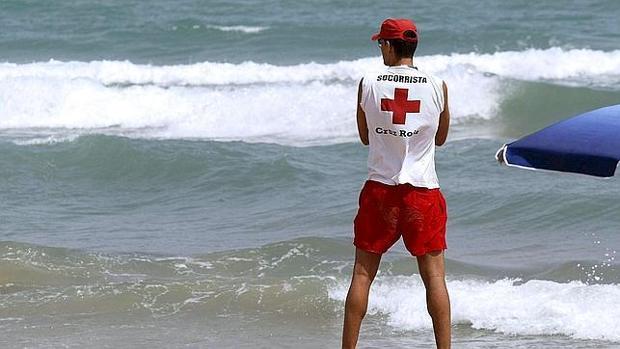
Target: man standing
[402, 114]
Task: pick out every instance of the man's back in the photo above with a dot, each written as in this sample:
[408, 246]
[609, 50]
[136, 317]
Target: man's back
[402, 106]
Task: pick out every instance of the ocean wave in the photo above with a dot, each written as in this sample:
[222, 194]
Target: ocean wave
[298, 277]
[531, 65]
[582, 67]
[46, 140]
[510, 306]
[303, 104]
[238, 28]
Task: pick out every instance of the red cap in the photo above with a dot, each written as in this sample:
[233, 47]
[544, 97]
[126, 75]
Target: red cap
[396, 28]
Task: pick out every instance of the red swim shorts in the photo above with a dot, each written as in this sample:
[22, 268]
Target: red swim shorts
[387, 211]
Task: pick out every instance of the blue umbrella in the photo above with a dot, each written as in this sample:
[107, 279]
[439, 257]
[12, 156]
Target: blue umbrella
[588, 143]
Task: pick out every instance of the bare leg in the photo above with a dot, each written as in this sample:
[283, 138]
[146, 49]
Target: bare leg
[432, 270]
[364, 271]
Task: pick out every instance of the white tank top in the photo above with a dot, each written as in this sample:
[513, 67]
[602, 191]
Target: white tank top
[402, 106]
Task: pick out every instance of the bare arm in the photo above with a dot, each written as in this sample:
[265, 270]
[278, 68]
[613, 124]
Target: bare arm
[362, 127]
[444, 120]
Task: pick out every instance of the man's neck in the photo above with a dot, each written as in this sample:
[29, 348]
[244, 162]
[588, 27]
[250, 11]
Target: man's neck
[403, 61]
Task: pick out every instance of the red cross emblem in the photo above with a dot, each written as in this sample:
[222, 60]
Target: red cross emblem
[400, 106]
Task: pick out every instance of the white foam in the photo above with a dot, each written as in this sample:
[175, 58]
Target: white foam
[302, 104]
[508, 306]
[532, 65]
[577, 66]
[47, 140]
[239, 28]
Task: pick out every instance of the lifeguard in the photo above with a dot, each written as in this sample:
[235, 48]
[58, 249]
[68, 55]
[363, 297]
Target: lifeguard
[407, 112]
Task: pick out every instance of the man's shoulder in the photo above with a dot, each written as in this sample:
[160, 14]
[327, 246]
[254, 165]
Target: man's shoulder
[434, 78]
[372, 74]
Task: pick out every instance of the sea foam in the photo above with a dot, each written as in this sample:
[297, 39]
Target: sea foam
[302, 104]
[510, 306]
[238, 28]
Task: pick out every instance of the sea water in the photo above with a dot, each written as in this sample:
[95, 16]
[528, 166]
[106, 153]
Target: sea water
[185, 174]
